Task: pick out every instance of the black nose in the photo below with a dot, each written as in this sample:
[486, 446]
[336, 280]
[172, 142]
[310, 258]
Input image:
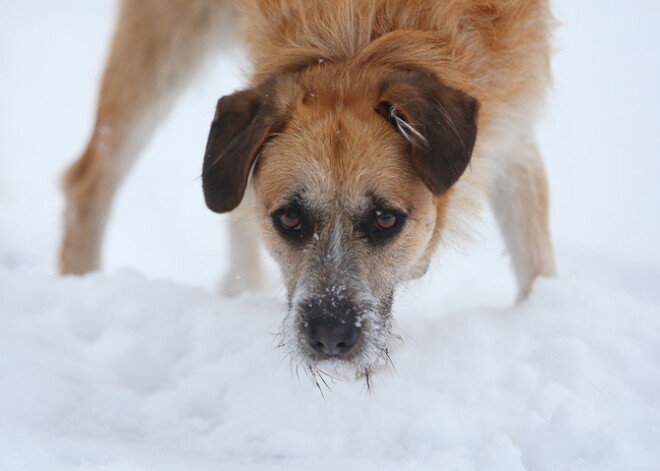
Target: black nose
[332, 338]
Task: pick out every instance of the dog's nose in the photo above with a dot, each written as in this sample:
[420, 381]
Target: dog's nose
[332, 338]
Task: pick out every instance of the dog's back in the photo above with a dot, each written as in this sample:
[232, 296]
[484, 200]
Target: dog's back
[498, 48]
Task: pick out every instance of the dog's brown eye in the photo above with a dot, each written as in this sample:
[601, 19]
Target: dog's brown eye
[290, 220]
[381, 225]
[385, 220]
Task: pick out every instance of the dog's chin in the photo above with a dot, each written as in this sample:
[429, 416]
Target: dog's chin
[369, 356]
[343, 369]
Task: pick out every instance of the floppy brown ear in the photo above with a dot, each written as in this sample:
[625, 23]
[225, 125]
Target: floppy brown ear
[440, 123]
[242, 124]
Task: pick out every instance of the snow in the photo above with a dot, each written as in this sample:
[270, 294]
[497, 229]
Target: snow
[122, 372]
[144, 367]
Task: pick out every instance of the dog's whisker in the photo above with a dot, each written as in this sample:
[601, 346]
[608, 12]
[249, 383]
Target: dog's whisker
[277, 340]
[318, 386]
[332, 379]
[389, 360]
[320, 376]
[313, 374]
[367, 379]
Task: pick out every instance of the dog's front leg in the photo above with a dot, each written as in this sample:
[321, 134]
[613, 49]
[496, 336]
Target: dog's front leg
[245, 266]
[519, 198]
[156, 46]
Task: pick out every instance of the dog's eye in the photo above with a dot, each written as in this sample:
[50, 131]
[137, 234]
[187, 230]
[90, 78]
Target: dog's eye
[290, 220]
[383, 224]
[385, 220]
[292, 223]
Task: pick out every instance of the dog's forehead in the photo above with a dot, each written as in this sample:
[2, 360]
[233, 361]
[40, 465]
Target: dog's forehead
[339, 155]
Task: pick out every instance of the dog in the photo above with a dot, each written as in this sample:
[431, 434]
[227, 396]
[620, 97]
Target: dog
[370, 132]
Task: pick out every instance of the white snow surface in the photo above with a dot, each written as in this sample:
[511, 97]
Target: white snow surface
[144, 367]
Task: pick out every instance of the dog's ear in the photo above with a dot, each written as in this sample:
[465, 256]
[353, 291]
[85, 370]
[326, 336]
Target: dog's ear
[242, 124]
[438, 121]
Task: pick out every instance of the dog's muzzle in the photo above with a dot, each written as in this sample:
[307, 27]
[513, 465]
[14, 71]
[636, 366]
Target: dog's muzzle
[331, 324]
[331, 337]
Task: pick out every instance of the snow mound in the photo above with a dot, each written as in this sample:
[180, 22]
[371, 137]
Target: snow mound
[124, 373]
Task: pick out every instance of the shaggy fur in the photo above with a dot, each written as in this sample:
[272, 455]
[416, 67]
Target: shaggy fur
[355, 108]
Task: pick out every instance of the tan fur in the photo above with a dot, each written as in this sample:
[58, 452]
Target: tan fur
[496, 51]
[156, 46]
[338, 53]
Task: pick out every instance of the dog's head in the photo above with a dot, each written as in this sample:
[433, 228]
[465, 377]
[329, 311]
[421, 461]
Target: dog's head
[351, 178]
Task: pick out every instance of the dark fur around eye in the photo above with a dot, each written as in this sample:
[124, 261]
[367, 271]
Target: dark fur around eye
[374, 232]
[282, 219]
